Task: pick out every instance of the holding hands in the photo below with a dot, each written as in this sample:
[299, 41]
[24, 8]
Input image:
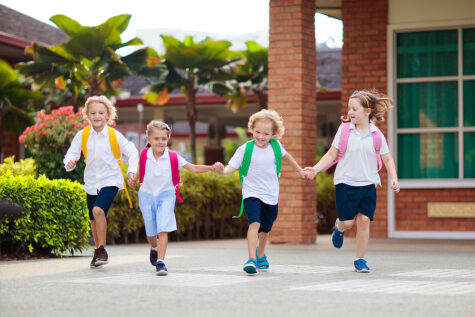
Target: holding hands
[309, 172]
[132, 179]
[71, 164]
[218, 167]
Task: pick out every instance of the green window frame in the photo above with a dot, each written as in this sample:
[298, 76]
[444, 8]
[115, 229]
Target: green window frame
[434, 93]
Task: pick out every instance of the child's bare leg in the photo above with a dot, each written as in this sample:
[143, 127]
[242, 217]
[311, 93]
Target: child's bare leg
[153, 241]
[252, 239]
[162, 245]
[101, 226]
[94, 234]
[263, 237]
[343, 225]
[362, 235]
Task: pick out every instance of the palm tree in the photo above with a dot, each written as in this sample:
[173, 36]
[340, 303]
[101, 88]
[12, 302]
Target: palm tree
[250, 76]
[16, 102]
[191, 66]
[88, 64]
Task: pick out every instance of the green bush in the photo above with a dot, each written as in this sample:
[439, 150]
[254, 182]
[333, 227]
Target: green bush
[326, 210]
[23, 167]
[55, 215]
[210, 201]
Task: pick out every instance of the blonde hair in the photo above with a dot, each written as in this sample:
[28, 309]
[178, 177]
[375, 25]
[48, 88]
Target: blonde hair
[272, 115]
[378, 102]
[159, 125]
[111, 110]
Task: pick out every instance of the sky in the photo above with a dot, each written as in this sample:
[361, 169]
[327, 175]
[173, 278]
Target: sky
[227, 17]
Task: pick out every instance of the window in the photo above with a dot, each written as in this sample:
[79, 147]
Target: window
[435, 97]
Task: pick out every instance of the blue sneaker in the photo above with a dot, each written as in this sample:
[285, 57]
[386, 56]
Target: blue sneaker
[361, 266]
[250, 267]
[161, 268]
[337, 237]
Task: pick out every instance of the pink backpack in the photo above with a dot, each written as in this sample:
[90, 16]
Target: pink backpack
[342, 145]
[174, 166]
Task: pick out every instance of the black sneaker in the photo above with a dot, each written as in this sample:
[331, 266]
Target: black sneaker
[153, 257]
[102, 257]
[161, 268]
[94, 258]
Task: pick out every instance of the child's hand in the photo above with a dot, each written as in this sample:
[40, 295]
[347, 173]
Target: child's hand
[310, 172]
[218, 167]
[132, 179]
[395, 186]
[71, 164]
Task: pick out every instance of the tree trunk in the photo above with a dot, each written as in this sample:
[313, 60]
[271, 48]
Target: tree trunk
[192, 116]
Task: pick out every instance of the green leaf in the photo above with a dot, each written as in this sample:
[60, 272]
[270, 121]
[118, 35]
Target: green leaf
[67, 25]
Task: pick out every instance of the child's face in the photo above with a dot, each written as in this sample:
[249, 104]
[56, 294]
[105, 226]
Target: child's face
[262, 132]
[98, 115]
[158, 140]
[356, 112]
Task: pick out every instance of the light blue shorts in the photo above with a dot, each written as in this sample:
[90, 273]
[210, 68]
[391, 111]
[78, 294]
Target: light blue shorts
[158, 212]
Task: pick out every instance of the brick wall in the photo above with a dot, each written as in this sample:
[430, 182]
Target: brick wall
[292, 82]
[411, 209]
[364, 66]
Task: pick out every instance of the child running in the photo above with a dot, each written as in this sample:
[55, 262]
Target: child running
[259, 163]
[358, 147]
[159, 179]
[103, 147]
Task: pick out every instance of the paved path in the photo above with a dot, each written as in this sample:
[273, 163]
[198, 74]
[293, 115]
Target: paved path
[408, 278]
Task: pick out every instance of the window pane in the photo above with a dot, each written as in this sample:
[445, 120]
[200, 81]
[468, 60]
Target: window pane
[468, 51]
[427, 105]
[428, 155]
[427, 54]
[469, 155]
[469, 103]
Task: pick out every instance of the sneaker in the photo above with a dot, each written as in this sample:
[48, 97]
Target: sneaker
[94, 258]
[361, 266]
[161, 268]
[337, 237]
[153, 257]
[102, 257]
[250, 267]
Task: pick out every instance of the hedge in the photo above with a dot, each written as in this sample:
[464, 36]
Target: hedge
[210, 201]
[55, 215]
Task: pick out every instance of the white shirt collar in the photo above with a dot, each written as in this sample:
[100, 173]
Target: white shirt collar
[150, 154]
[372, 127]
[104, 131]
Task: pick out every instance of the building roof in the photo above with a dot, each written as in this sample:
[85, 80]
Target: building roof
[19, 25]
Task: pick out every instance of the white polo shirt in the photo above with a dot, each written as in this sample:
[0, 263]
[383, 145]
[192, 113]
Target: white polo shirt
[359, 165]
[158, 173]
[261, 180]
[102, 169]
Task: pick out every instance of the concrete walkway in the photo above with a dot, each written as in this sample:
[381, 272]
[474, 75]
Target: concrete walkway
[408, 278]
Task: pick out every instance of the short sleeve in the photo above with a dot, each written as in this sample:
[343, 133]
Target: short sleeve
[236, 160]
[181, 161]
[384, 145]
[336, 139]
[282, 149]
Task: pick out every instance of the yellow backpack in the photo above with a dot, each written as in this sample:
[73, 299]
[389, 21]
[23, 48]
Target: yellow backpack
[115, 151]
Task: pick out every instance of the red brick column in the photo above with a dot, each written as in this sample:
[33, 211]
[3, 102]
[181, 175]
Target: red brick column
[364, 61]
[292, 86]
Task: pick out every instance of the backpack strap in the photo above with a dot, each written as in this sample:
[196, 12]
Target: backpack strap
[175, 174]
[142, 163]
[377, 142]
[278, 154]
[116, 151]
[244, 168]
[85, 137]
[342, 144]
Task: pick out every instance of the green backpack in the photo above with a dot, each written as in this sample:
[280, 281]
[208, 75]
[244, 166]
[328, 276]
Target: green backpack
[246, 161]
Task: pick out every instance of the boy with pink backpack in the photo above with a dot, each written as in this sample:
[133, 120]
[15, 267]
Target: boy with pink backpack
[358, 149]
[160, 180]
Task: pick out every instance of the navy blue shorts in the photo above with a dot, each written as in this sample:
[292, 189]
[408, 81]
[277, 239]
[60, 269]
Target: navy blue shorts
[350, 200]
[260, 212]
[102, 200]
